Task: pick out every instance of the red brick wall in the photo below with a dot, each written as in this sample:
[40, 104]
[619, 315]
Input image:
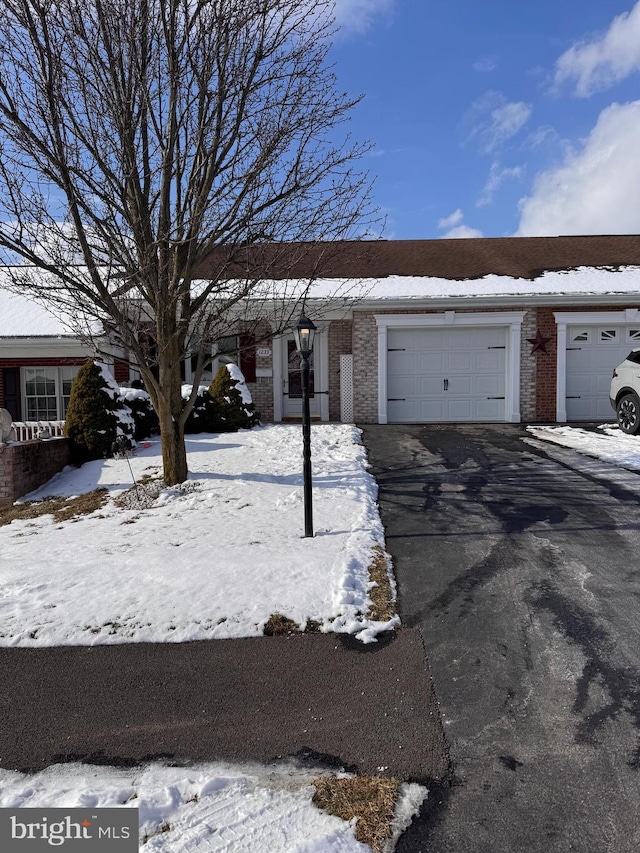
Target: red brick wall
[340, 343]
[28, 465]
[546, 366]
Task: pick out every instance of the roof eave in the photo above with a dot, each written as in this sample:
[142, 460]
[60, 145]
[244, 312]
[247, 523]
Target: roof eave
[524, 299]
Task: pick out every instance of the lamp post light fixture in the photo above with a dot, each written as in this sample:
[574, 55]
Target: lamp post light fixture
[304, 334]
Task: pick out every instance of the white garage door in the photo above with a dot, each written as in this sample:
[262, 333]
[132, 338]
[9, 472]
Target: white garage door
[592, 353]
[446, 374]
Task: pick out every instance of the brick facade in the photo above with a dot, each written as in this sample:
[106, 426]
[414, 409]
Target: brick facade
[340, 343]
[528, 367]
[262, 389]
[28, 465]
[537, 370]
[545, 381]
[365, 368]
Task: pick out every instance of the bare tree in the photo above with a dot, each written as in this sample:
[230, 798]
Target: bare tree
[142, 141]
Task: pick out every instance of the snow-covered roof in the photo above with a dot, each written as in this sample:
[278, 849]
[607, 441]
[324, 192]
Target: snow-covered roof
[584, 281]
[23, 317]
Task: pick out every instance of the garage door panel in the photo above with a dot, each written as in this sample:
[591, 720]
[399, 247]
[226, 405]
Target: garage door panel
[461, 410]
[460, 361]
[430, 386]
[403, 362]
[403, 411]
[462, 385]
[471, 360]
[430, 362]
[489, 386]
[491, 410]
[490, 361]
[592, 354]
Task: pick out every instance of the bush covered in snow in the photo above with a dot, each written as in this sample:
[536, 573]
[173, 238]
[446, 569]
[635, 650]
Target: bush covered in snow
[95, 415]
[204, 415]
[225, 406]
[233, 400]
[145, 420]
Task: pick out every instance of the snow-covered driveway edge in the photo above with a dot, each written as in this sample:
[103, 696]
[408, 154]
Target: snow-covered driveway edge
[212, 559]
[209, 807]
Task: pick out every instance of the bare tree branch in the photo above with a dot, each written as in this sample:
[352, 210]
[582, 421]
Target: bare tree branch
[140, 137]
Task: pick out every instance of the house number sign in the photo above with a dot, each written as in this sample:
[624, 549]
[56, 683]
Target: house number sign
[264, 352]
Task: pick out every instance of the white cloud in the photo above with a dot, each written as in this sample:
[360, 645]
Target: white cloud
[462, 231]
[485, 64]
[359, 15]
[598, 64]
[497, 176]
[494, 120]
[597, 187]
[541, 136]
[449, 221]
[455, 226]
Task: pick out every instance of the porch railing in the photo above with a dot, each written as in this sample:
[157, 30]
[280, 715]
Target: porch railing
[30, 430]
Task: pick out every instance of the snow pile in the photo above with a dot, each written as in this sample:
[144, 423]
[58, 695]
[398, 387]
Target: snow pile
[212, 558]
[236, 373]
[609, 444]
[211, 808]
[126, 424]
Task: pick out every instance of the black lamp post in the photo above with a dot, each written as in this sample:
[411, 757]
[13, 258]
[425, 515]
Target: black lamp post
[304, 334]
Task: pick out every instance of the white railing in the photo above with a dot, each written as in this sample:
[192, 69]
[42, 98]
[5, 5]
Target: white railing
[29, 430]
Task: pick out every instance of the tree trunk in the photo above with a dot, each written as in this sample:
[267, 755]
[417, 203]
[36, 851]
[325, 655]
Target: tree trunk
[174, 453]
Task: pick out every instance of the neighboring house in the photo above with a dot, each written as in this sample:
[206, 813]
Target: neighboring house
[477, 330]
[39, 358]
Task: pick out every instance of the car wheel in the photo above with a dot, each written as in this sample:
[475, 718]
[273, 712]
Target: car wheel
[628, 413]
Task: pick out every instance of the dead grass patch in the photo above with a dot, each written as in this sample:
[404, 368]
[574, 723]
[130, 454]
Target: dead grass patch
[278, 625]
[371, 800]
[383, 605]
[62, 509]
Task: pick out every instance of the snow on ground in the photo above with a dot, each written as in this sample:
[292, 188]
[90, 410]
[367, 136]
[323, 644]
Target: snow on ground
[209, 808]
[212, 558]
[608, 443]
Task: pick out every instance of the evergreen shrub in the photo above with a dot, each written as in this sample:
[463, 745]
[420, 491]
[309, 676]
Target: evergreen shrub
[226, 391]
[95, 415]
[145, 420]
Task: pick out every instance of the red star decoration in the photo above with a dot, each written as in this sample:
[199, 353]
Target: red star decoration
[539, 342]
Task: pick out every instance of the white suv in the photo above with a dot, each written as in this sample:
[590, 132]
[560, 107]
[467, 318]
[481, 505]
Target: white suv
[624, 393]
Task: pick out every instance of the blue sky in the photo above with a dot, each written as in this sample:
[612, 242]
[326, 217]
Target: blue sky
[497, 118]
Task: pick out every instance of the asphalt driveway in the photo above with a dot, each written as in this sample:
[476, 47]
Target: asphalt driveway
[521, 568]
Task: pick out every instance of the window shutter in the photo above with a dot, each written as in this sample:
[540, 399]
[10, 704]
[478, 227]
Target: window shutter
[248, 357]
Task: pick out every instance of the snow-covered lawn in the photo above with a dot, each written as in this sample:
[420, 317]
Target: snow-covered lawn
[213, 558]
[609, 443]
[208, 808]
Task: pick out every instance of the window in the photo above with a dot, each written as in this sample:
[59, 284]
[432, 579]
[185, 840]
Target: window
[237, 349]
[608, 335]
[582, 335]
[633, 334]
[46, 392]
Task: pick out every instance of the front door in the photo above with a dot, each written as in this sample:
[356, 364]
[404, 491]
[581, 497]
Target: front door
[292, 382]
